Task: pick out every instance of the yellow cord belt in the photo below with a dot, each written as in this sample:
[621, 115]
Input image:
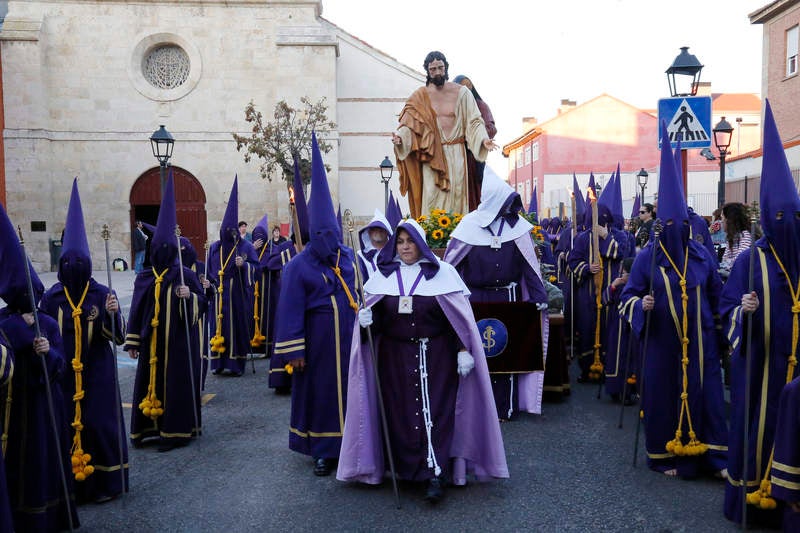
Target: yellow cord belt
[596, 369]
[218, 341]
[694, 446]
[258, 339]
[151, 405]
[338, 272]
[762, 497]
[81, 468]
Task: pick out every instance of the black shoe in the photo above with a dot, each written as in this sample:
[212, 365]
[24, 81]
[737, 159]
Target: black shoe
[435, 491]
[170, 444]
[283, 391]
[322, 466]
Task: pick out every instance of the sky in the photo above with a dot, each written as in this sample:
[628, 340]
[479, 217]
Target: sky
[524, 56]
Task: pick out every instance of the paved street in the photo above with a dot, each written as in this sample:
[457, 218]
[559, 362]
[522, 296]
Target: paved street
[570, 471]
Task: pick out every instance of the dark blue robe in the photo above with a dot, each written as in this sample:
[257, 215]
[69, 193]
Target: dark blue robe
[661, 381]
[173, 351]
[32, 472]
[237, 304]
[315, 322]
[279, 256]
[618, 351]
[101, 409]
[786, 463]
[612, 250]
[771, 345]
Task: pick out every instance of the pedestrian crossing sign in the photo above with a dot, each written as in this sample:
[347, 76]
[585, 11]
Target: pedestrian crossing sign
[688, 118]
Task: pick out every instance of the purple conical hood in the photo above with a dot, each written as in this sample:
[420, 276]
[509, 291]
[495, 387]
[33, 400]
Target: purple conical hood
[164, 246]
[261, 229]
[229, 228]
[677, 154]
[75, 263]
[393, 214]
[14, 283]
[605, 203]
[671, 203]
[580, 204]
[324, 230]
[616, 201]
[637, 205]
[339, 221]
[780, 204]
[533, 205]
[300, 206]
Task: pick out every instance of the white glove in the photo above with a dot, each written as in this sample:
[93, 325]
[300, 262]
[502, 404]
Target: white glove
[365, 317]
[541, 306]
[465, 363]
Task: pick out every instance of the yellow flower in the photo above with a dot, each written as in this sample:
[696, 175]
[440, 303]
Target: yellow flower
[552, 279]
[422, 219]
[289, 369]
[444, 221]
[437, 212]
[437, 234]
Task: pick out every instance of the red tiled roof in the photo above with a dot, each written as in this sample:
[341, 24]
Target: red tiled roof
[736, 102]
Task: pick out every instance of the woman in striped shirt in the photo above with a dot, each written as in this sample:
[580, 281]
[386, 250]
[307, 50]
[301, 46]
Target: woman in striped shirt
[736, 224]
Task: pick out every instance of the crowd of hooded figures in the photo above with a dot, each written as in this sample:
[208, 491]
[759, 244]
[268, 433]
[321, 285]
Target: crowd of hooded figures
[380, 349]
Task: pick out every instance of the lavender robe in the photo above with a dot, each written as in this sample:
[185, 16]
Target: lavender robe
[237, 304]
[529, 387]
[771, 345]
[32, 472]
[661, 380]
[315, 322]
[103, 433]
[174, 352]
[476, 446]
[612, 250]
[786, 463]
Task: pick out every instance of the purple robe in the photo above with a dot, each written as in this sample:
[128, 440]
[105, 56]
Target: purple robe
[771, 345]
[487, 271]
[622, 347]
[315, 322]
[276, 260]
[174, 351]
[661, 381]
[612, 250]
[6, 371]
[237, 303]
[476, 446]
[786, 463]
[32, 472]
[103, 433]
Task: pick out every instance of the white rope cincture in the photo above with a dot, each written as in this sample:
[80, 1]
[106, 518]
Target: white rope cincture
[426, 404]
[511, 396]
[512, 293]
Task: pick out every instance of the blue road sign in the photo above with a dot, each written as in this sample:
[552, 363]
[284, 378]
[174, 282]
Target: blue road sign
[688, 118]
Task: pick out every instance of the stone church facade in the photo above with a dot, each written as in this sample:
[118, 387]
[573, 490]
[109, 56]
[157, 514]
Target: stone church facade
[86, 83]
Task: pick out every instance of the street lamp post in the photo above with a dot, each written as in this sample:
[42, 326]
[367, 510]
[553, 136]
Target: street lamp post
[386, 174]
[683, 76]
[161, 141]
[641, 177]
[723, 132]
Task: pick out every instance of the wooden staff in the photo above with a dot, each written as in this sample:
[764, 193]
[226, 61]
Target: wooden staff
[572, 234]
[298, 236]
[594, 257]
[657, 234]
[205, 361]
[118, 409]
[748, 372]
[348, 217]
[48, 392]
[195, 397]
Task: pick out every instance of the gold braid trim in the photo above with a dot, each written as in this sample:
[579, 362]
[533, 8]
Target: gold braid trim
[596, 369]
[218, 341]
[81, 468]
[338, 272]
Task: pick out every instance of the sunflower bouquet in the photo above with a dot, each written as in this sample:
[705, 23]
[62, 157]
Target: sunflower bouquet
[438, 226]
[537, 233]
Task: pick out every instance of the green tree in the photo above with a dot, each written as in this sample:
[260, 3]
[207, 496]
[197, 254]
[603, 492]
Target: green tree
[286, 138]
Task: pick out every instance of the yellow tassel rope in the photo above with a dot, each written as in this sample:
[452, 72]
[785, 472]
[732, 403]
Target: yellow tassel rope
[218, 341]
[632, 379]
[151, 405]
[258, 338]
[762, 497]
[338, 272]
[81, 468]
[694, 446]
[596, 369]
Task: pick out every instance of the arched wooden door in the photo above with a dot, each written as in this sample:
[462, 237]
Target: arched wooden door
[190, 203]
